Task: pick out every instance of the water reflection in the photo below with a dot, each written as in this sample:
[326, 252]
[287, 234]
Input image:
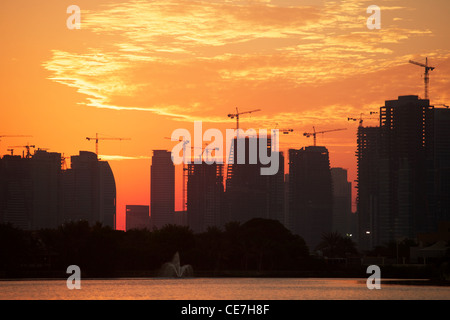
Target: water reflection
[219, 289]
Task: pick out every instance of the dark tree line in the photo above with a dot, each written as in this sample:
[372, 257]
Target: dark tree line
[258, 245]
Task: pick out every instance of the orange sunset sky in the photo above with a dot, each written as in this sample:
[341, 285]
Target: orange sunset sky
[141, 69]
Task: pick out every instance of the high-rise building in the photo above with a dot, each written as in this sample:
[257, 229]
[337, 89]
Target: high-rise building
[89, 190]
[342, 203]
[16, 191]
[250, 194]
[137, 217]
[287, 218]
[205, 196]
[368, 161]
[46, 177]
[162, 189]
[277, 189]
[441, 166]
[29, 190]
[180, 218]
[406, 128]
[107, 195]
[310, 193]
[35, 193]
[403, 172]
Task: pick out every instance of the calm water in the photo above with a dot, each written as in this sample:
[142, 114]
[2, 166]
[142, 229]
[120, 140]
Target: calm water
[218, 289]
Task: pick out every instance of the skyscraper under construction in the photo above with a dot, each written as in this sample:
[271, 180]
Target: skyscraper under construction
[205, 196]
[250, 194]
[401, 172]
[406, 129]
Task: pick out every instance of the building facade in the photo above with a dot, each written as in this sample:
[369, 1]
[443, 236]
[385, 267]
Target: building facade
[162, 189]
[205, 196]
[35, 192]
[89, 190]
[368, 161]
[137, 217]
[310, 193]
[403, 187]
[249, 194]
[343, 218]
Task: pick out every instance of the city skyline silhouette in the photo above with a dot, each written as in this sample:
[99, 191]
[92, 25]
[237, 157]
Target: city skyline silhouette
[340, 191]
[402, 191]
[296, 62]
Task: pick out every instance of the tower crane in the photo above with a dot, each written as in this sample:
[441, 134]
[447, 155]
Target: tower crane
[284, 131]
[237, 114]
[361, 118]
[314, 133]
[185, 143]
[12, 136]
[426, 75]
[97, 139]
[208, 151]
[27, 147]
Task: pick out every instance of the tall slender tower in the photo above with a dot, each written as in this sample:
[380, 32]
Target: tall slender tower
[441, 164]
[310, 193]
[162, 189]
[205, 195]
[368, 161]
[406, 127]
[342, 202]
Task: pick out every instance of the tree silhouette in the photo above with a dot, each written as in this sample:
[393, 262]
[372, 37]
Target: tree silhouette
[268, 245]
[258, 245]
[209, 247]
[171, 239]
[334, 245]
[13, 248]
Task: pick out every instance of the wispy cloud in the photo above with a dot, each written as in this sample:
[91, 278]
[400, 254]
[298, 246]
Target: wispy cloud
[184, 59]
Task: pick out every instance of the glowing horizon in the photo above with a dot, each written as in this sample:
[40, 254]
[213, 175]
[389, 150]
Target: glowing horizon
[141, 69]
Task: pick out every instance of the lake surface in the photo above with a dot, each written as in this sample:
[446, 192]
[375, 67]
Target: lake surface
[217, 289]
